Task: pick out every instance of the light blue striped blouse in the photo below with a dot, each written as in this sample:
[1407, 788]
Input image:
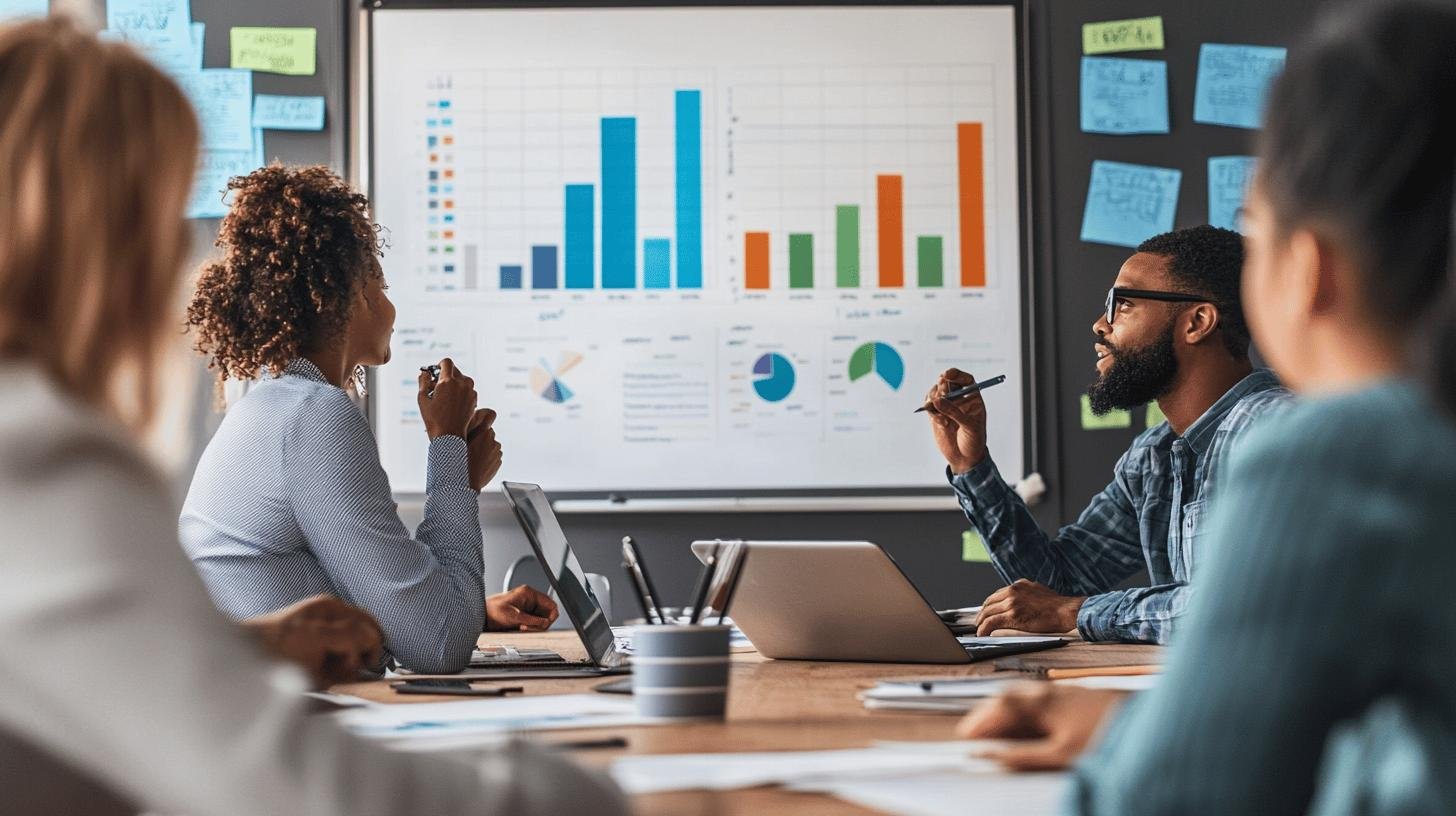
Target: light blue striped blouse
[290, 500]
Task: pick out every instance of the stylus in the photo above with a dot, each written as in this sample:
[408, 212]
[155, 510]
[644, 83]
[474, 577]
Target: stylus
[732, 584]
[638, 573]
[705, 579]
[962, 393]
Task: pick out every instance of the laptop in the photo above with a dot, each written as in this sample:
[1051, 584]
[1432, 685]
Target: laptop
[571, 592]
[848, 600]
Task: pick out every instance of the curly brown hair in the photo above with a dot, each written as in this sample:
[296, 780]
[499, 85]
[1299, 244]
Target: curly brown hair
[298, 243]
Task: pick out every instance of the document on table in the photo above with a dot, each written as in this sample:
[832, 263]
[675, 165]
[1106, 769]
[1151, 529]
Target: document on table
[948, 793]
[671, 772]
[438, 726]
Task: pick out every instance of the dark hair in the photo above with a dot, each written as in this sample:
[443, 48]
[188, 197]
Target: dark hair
[1360, 138]
[298, 243]
[1209, 261]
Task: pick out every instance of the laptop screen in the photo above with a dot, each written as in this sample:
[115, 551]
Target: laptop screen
[568, 579]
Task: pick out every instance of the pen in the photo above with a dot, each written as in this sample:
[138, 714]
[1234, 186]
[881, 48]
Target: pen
[589, 744]
[732, 584]
[966, 391]
[637, 572]
[434, 372]
[705, 579]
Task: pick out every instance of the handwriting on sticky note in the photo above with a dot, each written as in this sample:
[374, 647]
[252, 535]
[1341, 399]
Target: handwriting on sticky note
[24, 8]
[973, 549]
[214, 167]
[288, 112]
[1108, 421]
[1232, 83]
[275, 50]
[223, 99]
[1129, 203]
[1124, 95]
[1228, 182]
[161, 29]
[1140, 34]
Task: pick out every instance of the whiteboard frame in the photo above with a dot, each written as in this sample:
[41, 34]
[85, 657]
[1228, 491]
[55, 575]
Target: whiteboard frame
[907, 499]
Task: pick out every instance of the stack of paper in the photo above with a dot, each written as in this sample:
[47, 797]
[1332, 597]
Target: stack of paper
[444, 726]
[934, 693]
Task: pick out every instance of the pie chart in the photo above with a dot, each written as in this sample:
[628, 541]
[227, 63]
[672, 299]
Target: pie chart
[546, 380]
[773, 377]
[878, 358]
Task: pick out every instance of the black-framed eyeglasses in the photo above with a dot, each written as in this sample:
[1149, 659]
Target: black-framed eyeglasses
[1117, 293]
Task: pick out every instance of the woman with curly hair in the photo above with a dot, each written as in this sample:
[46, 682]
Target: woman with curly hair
[97, 153]
[290, 500]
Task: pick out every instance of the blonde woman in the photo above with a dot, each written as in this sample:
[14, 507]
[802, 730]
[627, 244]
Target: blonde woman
[117, 669]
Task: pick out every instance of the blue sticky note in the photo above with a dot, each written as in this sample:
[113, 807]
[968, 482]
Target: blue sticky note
[1232, 83]
[1124, 95]
[161, 29]
[223, 99]
[288, 112]
[1129, 203]
[1228, 182]
[199, 32]
[210, 198]
[24, 8]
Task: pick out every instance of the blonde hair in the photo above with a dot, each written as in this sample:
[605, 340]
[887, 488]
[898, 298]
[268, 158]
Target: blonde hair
[97, 152]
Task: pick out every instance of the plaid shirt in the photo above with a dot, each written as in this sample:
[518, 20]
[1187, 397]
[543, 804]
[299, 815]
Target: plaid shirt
[1150, 517]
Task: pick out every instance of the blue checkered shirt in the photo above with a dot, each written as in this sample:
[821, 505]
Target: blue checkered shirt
[290, 501]
[1150, 517]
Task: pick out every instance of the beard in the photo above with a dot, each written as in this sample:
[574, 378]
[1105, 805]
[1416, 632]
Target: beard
[1136, 376]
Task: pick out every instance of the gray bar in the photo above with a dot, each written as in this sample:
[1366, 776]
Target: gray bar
[471, 280]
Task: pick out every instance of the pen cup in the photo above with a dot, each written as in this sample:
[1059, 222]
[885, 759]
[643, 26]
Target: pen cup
[680, 671]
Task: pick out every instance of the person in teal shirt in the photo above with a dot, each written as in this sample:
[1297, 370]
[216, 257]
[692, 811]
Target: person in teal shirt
[1317, 673]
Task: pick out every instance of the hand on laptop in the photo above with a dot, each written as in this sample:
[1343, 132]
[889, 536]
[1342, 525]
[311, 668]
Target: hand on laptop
[485, 451]
[330, 639]
[1056, 722]
[522, 609]
[1028, 607]
[959, 426]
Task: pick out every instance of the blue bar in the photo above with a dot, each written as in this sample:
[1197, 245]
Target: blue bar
[656, 263]
[619, 203]
[543, 267]
[510, 277]
[689, 189]
[580, 235]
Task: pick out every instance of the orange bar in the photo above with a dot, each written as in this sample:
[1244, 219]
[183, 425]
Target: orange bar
[972, 204]
[755, 260]
[890, 207]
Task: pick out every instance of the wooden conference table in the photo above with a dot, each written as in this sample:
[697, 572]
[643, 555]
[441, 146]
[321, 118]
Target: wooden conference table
[773, 705]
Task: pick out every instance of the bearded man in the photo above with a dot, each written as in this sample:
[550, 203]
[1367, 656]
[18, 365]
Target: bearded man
[1173, 332]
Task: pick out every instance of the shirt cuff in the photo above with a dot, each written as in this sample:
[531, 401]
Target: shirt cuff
[982, 485]
[447, 464]
[1097, 620]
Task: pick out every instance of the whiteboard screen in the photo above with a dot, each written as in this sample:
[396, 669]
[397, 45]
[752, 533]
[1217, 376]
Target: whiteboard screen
[712, 249]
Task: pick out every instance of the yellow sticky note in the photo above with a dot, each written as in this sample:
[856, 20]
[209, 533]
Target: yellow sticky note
[1140, 34]
[1155, 415]
[1113, 419]
[275, 50]
[973, 548]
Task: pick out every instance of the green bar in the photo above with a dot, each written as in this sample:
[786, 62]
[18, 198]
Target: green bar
[801, 262]
[846, 240]
[929, 252]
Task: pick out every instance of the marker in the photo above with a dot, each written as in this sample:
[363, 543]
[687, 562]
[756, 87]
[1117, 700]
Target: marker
[962, 393]
[434, 372]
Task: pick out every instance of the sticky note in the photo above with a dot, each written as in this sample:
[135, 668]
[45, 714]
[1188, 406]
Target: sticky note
[1228, 182]
[24, 8]
[199, 34]
[1124, 95]
[209, 188]
[973, 548]
[223, 99]
[1110, 420]
[275, 50]
[1129, 203]
[1140, 34]
[1232, 83]
[161, 29]
[288, 112]
[1155, 415]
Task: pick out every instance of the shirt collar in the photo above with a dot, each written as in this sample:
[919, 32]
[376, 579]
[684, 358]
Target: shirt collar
[1200, 433]
[304, 367]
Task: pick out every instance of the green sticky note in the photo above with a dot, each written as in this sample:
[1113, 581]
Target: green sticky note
[1114, 419]
[275, 50]
[973, 548]
[1155, 415]
[1140, 34]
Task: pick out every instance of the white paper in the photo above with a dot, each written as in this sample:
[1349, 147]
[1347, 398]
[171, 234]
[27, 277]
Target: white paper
[658, 773]
[1130, 682]
[949, 793]
[423, 726]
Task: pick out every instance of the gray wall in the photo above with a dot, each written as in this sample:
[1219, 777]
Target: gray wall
[1069, 280]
